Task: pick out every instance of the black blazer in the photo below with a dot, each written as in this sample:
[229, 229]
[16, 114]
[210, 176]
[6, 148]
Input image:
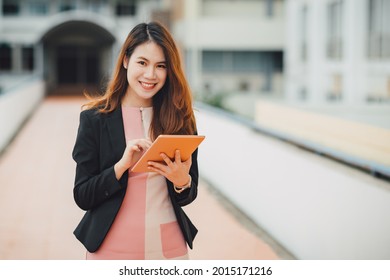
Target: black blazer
[100, 144]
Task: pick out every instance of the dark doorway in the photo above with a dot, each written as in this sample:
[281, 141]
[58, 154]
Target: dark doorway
[77, 55]
[77, 65]
[67, 66]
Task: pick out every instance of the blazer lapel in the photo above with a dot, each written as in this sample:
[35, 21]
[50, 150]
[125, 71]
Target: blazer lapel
[115, 129]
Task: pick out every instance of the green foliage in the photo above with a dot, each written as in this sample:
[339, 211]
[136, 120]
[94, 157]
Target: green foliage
[214, 99]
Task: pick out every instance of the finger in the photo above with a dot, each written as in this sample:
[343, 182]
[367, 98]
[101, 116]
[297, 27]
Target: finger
[144, 146]
[159, 171]
[158, 166]
[144, 143]
[166, 159]
[177, 156]
[147, 142]
[135, 148]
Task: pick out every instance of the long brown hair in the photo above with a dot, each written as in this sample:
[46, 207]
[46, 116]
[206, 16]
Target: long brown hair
[172, 105]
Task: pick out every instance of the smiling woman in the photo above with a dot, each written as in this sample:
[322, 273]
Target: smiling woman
[137, 215]
[146, 74]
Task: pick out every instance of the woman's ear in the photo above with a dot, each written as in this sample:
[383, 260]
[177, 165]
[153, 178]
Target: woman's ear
[125, 62]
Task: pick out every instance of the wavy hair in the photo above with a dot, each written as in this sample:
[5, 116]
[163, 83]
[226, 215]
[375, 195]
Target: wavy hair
[172, 105]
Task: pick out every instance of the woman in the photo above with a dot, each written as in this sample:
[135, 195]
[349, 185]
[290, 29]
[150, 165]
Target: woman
[136, 215]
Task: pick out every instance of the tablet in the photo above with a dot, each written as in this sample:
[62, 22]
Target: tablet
[168, 144]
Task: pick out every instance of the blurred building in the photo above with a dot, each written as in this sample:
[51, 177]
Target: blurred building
[338, 51]
[69, 42]
[231, 46]
[227, 45]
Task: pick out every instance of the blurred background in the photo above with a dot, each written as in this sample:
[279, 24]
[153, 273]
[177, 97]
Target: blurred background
[292, 95]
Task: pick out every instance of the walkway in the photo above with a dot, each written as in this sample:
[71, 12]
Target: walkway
[37, 211]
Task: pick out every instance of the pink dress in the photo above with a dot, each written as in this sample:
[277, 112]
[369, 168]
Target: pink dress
[145, 226]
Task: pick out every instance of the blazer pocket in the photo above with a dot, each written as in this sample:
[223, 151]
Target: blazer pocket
[173, 244]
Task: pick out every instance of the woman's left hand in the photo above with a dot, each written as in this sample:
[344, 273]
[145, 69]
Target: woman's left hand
[175, 171]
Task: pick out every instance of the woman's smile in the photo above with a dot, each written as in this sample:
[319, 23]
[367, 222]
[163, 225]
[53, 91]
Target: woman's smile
[147, 86]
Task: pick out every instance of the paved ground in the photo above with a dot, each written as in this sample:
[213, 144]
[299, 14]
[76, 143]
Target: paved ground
[37, 211]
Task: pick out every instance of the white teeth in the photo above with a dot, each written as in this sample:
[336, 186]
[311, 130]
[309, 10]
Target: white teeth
[147, 85]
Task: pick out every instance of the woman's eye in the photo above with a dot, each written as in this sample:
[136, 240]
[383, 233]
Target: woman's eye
[142, 62]
[162, 66]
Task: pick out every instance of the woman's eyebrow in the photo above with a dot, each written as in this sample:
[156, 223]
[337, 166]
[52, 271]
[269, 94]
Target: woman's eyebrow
[143, 58]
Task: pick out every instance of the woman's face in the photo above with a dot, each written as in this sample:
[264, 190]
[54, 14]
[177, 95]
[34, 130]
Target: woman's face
[146, 74]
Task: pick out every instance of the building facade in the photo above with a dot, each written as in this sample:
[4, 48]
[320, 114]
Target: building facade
[232, 46]
[68, 42]
[338, 52]
[227, 45]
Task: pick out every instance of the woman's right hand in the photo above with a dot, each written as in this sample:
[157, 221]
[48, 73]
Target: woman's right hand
[131, 155]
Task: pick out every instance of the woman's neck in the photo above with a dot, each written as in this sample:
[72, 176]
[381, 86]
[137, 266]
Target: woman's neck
[128, 101]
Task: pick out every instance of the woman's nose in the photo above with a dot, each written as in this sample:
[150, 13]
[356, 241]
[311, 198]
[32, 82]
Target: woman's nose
[150, 73]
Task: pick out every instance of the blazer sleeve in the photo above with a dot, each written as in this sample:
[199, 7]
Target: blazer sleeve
[189, 195]
[93, 185]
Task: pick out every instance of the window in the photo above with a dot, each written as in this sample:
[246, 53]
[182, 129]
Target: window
[379, 29]
[95, 5]
[247, 61]
[28, 58]
[378, 88]
[241, 61]
[5, 57]
[38, 7]
[261, 64]
[334, 30]
[11, 7]
[335, 88]
[126, 8]
[67, 5]
[214, 61]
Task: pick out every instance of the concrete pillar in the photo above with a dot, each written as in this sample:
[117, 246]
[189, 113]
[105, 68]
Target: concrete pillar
[349, 51]
[291, 57]
[192, 9]
[194, 69]
[356, 25]
[316, 42]
[16, 58]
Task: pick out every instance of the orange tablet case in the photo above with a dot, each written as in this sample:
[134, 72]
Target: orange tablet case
[168, 144]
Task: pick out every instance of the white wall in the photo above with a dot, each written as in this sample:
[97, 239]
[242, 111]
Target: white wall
[228, 9]
[314, 207]
[16, 105]
[228, 34]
